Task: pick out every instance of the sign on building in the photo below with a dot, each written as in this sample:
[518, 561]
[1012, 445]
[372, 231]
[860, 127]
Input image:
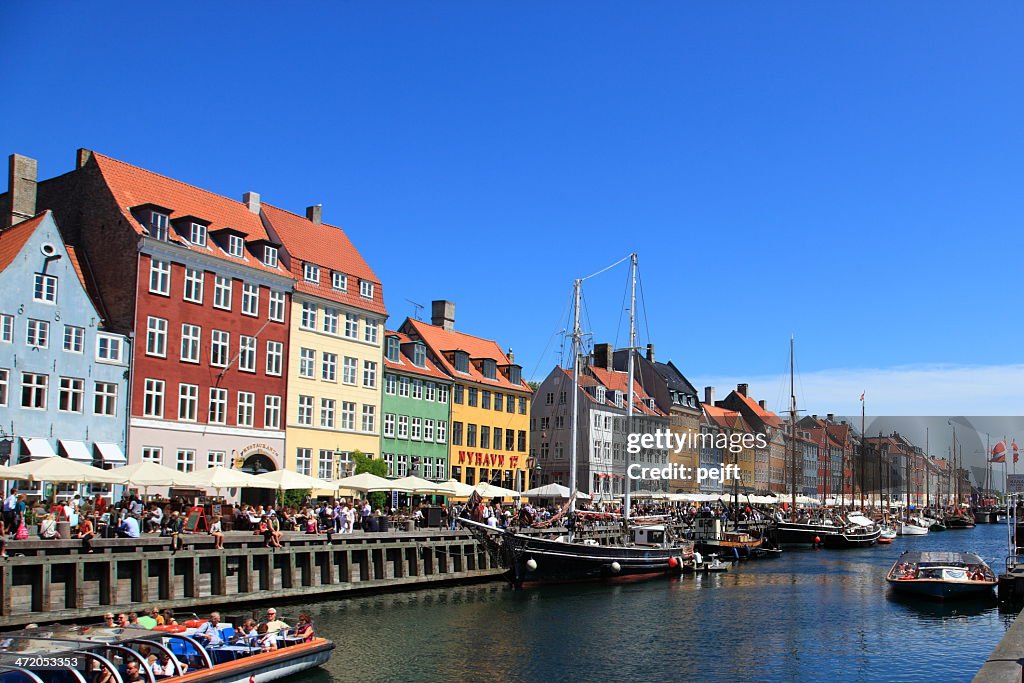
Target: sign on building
[1015, 483]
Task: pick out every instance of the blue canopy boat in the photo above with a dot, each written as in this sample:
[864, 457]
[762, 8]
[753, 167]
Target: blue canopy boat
[943, 575]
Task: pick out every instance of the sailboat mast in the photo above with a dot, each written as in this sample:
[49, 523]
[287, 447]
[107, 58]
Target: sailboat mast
[792, 425]
[629, 391]
[863, 480]
[577, 337]
[927, 473]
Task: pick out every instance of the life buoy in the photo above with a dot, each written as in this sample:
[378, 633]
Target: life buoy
[195, 623]
[171, 628]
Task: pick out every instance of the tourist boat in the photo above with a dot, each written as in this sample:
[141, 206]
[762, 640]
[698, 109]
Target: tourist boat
[56, 654]
[941, 575]
[709, 535]
[912, 527]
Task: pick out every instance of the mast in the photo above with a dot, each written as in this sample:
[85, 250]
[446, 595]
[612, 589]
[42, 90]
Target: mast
[863, 481]
[577, 338]
[927, 474]
[792, 426]
[632, 346]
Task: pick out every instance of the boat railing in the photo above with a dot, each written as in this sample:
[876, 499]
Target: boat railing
[28, 674]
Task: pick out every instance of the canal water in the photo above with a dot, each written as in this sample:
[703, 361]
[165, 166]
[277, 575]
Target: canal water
[809, 615]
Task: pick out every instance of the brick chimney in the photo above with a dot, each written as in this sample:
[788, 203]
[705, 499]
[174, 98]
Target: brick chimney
[21, 188]
[82, 157]
[709, 395]
[650, 352]
[442, 314]
[315, 213]
[511, 356]
[742, 388]
[252, 200]
[761, 403]
[830, 417]
[604, 356]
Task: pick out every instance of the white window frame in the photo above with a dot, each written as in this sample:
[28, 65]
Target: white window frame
[39, 390]
[416, 428]
[153, 454]
[44, 288]
[250, 299]
[331, 320]
[304, 416]
[389, 425]
[246, 353]
[442, 431]
[271, 411]
[192, 289]
[303, 460]
[37, 333]
[159, 225]
[185, 460]
[105, 399]
[351, 326]
[222, 286]
[269, 256]
[156, 337]
[220, 348]
[442, 393]
[275, 307]
[160, 277]
[390, 384]
[366, 289]
[349, 370]
[348, 416]
[188, 402]
[153, 398]
[403, 387]
[309, 315]
[370, 329]
[245, 410]
[403, 427]
[191, 343]
[369, 374]
[369, 422]
[74, 339]
[329, 367]
[339, 281]
[275, 358]
[71, 395]
[311, 273]
[327, 412]
[197, 234]
[325, 464]
[216, 458]
[236, 246]
[6, 328]
[113, 344]
[218, 412]
[307, 363]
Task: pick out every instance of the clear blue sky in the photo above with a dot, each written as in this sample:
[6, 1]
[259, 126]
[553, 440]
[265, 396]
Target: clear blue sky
[851, 173]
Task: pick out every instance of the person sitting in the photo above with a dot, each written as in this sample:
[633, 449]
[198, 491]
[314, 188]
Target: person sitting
[131, 672]
[247, 634]
[155, 519]
[218, 535]
[269, 537]
[273, 623]
[85, 532]
[48, 528]
[164, 666]
[108, 620]
[267, 638]
[129, 527]
[174, 528]
[169, 619]
[304, 629]
[209, 632]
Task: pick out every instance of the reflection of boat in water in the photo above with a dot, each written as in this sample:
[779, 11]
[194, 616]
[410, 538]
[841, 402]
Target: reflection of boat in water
[81, 652]
[941, 575]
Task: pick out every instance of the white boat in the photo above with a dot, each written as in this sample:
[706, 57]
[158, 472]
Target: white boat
[887, 531]
[716, 565]
[912, 527]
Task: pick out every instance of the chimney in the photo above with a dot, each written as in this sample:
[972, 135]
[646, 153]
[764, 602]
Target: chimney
[82, 157]
[761, 403]
[830, 417]
[603, 356]
[315, 213]
[742, 389]
[252, 200]
[650, 352]
[511, 357]
[21, 188]
[442, 314]
[709, 395]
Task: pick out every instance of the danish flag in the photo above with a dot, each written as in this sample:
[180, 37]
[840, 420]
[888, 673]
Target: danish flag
[998, 452]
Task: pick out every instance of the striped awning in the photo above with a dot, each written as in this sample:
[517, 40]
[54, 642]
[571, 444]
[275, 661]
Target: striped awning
[76, 450]
[38, 448]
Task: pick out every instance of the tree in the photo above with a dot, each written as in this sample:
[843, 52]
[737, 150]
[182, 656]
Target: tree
[365, 463]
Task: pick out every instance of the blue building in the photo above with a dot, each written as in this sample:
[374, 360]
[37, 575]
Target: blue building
[63, 379]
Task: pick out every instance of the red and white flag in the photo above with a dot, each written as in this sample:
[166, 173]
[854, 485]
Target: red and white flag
[1016, 450]
[862, 397]
[998, 452]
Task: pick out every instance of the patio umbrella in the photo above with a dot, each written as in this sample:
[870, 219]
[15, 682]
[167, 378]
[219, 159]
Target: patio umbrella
[7, 474]
[554, 491]
[287, 480]
[413, 484]
[364, 482]
[491, 491]
[220, 477]
[455, 488]
[61, 470]
[147, 474]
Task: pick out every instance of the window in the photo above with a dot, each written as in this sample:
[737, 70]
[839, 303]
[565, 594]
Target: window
[417, 389]
[270, 256]
[160, 277]
[247, 353]
[416, 428]
[308, 321]
[331, 320]
[220, 347]
[6, 328]
[459, 389]
[71, 397]
[442, 394]
[521, 441]
[389, 424]
[403, 387]
[33, 390]
[442, 431]
[499, 401]
[327, 412]
[428, 429]
[348, 370]
[218, 406]
[45, 288]
[522, 405]
[471, 435]
[351, 326]
[307, 363]
[188, 402]
[156, 337]
[108, 348]
[311, 273]
[104, 399]
[303, 460]
[390, 384]
[370, 374]
[389, 458]
[236, 246]
[549, 399]
[366, 289]
[191, 338]
[158, 225]
[472, 402]
[456, 433]
[246, 408]
[74, 338]
[403, 426]
[153, 398]
[369, 418]
[510, 404]
[339, 281]
[275, 354]
[497, 438]
[271, 412]
[329, 367]
[485, 399]
[197, 234]
[185, 460]
[193, 285]
[326, 466]
[391, 349]
[429, 391]
[222, 292]
[485, 436]
[37, 333]
[216, 458]
[275, 310]
[370, 332]
[305, 416]
[250, 299]
[348, 415]
[153, 455]
[461, 361]
[515, 374]
[510, 440]
[489, 368]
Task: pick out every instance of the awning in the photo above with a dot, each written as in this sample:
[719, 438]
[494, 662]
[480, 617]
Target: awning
[76, 450]
[111, 453]
[38, 448]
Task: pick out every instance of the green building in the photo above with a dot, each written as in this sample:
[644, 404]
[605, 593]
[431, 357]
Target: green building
[416, 410]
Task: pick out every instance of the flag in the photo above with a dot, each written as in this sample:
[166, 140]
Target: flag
[862, 397]
[1016, 450]
[998, 452]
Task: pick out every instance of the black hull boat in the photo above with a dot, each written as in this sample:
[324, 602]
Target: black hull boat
[826, 535]
[959, 523]
[529, 559]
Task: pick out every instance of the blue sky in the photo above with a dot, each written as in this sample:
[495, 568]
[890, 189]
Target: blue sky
[851, 173]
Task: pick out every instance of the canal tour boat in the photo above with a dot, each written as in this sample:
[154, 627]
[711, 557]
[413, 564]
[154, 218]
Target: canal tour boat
[75, 654]
[943, 575]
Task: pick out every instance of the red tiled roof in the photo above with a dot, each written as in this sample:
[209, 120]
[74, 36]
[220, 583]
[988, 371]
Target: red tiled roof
[133, 186]
[440, 340]
[619, 381]
[406, 365]
[76, 263]
[768, 416]
[13, 239]
[330, 248]
[725, 418]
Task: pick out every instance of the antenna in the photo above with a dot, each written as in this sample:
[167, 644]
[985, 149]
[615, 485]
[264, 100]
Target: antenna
[418, 308]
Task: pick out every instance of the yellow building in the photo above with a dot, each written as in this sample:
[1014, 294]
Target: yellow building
[732, 426]
[490, 403]
[335, 355]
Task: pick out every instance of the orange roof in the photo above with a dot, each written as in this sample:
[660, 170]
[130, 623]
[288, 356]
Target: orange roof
[725, 418]
[133, 186]
[406, 365]
[330, 248]
[13, 239]
[619, 381]
[440, 340]
[76, 263]
[768, 416]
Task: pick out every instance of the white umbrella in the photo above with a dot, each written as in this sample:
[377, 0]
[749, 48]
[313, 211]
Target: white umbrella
[455, 488]
[8, 474]
[287, 480]
[146, 473]
[220, 477]
[491, 491]
[364, 481]
[61, 470]
[413, 484]
[554, 491]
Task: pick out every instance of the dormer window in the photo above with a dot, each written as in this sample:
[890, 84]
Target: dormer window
[339, 281]
[461, 361]
[392, 349]
[236, 246]
[419, 355]
[617, 398]
[197, 234]
[599, 393]
[311, 273]
[270, 256]
[158, 225]
[366, 289]
[515, 374]
[489, 368]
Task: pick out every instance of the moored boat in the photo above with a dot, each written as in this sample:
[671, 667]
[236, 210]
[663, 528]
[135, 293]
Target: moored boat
[943, 575]
[912, 527]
